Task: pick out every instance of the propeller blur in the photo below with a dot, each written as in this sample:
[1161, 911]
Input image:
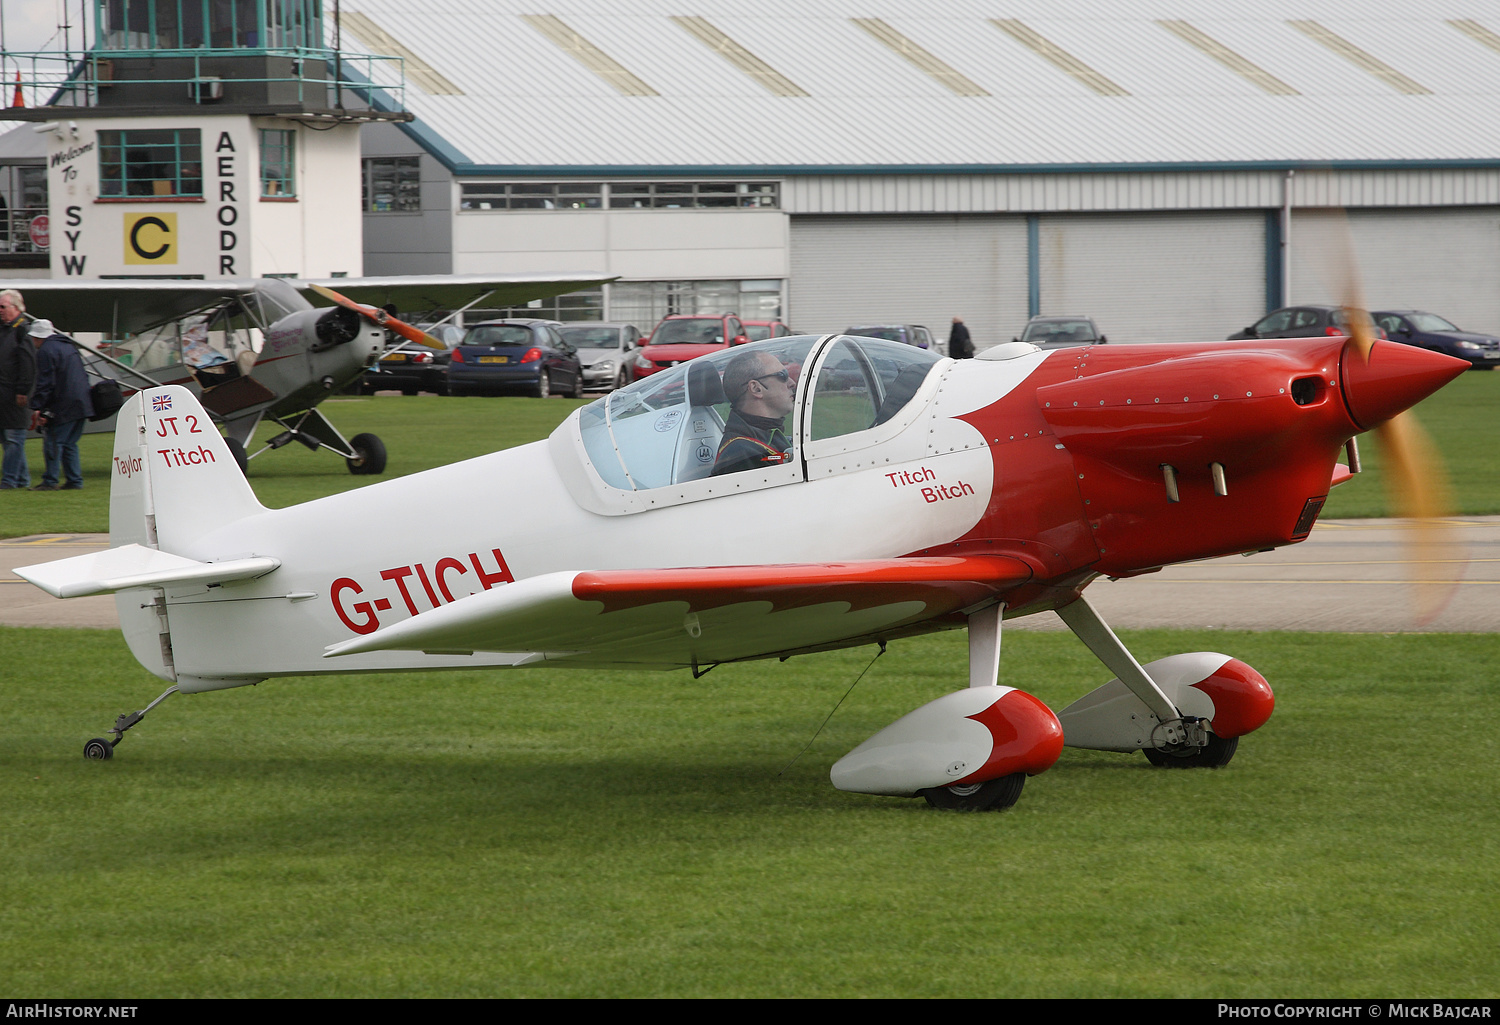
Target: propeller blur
[787, 496]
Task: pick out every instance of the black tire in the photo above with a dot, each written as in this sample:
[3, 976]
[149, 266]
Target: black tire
[1215, 755]
[577, 392]
[622, 378]
[240, 458]
[992, 795]
[99, 750]
[370, 455]
[543, 389]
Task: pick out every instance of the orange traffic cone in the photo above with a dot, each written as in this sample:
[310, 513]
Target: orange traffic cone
[18, 100]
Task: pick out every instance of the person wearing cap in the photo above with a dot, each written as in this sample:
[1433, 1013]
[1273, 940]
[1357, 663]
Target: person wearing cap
[17, 375]
[61, 405]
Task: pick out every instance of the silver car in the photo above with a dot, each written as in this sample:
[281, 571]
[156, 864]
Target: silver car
[604, 350]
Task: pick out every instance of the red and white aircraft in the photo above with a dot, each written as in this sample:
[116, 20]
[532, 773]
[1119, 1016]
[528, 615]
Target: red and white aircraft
[918, 493]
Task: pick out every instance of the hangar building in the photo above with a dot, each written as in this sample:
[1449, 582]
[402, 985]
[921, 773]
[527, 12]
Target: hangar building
[1164, 167]
[1173, 169]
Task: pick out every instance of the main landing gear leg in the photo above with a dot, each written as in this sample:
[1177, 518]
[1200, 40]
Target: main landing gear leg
[1174, 731]
[985, 629]
[100, 748]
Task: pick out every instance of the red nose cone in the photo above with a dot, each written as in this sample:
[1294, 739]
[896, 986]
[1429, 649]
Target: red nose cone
[1395, 377]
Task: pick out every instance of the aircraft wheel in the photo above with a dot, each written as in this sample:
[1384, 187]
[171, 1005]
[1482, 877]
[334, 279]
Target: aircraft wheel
[992, 795]
[240, 458]
[1215, 756]
[98, 750]
[371, 455]
[543, 385]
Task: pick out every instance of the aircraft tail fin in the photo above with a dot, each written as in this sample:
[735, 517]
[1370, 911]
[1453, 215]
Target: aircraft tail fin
[174, 478]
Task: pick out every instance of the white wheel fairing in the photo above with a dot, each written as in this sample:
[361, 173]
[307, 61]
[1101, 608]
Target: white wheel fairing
[969, 736]
[1112, 718]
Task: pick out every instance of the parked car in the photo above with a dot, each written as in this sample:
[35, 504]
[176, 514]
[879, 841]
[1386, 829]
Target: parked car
[760, 330]
[409, 368]
[605, 351]
[1429, 331]
[515, 355]
[907, 334]
[1300, 322]
[1061, 332]
[681, 337]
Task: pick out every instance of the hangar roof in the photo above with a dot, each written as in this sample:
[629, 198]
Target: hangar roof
[882, 86]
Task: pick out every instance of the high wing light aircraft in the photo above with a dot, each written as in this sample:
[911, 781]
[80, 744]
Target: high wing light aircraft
[918, 494]
[258, 349]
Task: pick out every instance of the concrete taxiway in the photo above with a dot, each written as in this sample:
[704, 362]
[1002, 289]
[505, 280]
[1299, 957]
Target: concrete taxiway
[1349, 576]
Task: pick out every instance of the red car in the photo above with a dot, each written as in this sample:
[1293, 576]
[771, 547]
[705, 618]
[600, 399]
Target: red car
[760, 330]
[681, 337]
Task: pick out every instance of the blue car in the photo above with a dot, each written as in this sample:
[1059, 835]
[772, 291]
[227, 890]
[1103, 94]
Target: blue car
[519, 355]
[1428, 330]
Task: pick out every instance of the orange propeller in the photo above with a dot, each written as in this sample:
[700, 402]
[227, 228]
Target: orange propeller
[1415, 477]
[381, 317]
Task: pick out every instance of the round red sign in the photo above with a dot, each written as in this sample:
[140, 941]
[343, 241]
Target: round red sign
[41, 232]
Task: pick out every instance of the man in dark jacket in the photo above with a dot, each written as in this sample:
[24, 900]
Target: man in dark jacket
[761, 393]
[62, 405]
[17, 375]
[959, 345]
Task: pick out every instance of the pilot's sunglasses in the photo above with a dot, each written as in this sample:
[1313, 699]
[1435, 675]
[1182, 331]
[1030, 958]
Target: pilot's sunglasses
[780, 375]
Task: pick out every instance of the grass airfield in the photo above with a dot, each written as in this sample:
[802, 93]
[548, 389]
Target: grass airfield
[561, 833]
[571, 834]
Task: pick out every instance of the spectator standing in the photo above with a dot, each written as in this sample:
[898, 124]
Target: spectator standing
[61, 404]
[959, 345]
[17, 375]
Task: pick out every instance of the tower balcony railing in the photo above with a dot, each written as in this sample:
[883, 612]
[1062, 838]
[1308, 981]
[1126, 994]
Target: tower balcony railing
[310, 78]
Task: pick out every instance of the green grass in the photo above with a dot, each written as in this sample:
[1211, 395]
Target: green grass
[567, 833]
[421, 432]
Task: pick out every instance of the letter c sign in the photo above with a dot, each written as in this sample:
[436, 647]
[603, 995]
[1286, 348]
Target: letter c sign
[151, 238]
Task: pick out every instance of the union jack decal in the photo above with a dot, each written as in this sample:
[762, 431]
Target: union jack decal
[161, 402]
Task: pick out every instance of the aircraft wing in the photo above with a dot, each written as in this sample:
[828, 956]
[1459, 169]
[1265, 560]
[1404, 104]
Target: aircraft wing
[119, 307]
[451, 291]
[128, 306]
[699, 615]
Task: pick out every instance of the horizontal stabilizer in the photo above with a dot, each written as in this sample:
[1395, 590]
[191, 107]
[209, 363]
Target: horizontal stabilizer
[136, 566]
[699, 614]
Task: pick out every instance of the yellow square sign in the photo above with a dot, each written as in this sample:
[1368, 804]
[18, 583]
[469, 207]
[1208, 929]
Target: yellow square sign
[151, 238]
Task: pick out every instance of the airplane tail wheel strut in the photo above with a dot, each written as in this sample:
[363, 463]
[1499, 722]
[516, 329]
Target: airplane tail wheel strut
[101, 749]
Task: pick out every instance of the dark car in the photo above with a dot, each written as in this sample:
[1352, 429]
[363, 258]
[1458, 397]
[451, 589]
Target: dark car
[681, 337]
[409, 368]
[1061, 332]
[522, 355]
[605, 351]
[1429, 331]
[1300, 322]
[907, 334]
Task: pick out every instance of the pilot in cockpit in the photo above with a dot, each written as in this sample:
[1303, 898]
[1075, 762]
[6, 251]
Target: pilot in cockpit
[761, 392]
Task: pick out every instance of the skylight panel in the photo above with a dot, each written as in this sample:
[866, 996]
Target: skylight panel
[1366, 62]
[589, 55]
[920, 58]
[1202, 41]
[378, 40]
[772, 80]
[1045, 48]
[1476, 32]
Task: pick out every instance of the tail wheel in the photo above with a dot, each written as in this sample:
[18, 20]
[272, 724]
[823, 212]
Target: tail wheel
[98, 750]
[992, 795]
[1215, 755]
[369, 455]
